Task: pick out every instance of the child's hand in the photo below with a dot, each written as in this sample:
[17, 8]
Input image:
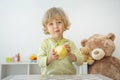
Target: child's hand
[55, 55]
[72, 56]
[52, 57]
[68, 49]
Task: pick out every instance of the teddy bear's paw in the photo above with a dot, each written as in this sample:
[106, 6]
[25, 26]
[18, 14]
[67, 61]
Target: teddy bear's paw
[90, 62]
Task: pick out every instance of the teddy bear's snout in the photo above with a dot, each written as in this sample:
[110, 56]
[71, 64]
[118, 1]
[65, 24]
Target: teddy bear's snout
[97, 54]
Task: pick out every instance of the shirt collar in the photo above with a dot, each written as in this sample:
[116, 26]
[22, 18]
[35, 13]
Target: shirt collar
[59, 42]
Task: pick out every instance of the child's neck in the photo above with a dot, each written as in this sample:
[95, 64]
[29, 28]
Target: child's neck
[57, 38]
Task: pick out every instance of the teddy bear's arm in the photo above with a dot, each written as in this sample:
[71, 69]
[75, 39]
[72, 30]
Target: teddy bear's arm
[90, 61]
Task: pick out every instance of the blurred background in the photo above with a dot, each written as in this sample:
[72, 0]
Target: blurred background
[21, 27]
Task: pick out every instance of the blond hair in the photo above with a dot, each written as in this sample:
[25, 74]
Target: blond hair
[50, 14]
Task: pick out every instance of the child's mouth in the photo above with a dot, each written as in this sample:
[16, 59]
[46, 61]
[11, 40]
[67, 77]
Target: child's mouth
[57, 31]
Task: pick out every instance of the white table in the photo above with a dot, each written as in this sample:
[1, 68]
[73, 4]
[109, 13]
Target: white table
[58, 77]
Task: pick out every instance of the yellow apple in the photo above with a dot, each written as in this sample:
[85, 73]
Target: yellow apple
[61, 51]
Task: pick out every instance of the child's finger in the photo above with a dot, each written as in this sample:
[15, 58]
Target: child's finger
[68, 48]
[56, 56]
[53, 52]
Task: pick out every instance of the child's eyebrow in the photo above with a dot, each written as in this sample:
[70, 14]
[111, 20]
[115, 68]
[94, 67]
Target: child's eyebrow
[59, 19]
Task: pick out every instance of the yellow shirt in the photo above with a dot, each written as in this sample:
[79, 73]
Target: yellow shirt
[64, 66]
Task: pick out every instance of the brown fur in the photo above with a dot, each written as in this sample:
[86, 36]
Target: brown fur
[108, 66]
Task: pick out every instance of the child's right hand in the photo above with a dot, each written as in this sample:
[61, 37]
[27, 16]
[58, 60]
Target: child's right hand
[54, 55]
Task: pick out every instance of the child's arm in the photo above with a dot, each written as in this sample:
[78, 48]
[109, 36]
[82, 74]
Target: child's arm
[42, 55]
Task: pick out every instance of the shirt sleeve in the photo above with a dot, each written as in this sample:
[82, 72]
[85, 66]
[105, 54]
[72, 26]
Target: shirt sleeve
[42, 54]
[77, 53]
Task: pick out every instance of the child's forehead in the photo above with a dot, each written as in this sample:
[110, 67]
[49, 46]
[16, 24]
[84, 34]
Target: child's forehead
[55, 17]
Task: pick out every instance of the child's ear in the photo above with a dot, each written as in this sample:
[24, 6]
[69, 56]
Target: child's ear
[64, 28]
[45, 31]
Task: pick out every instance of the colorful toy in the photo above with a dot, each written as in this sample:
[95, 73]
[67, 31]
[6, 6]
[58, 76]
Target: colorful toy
[33, 57]
[13, 58]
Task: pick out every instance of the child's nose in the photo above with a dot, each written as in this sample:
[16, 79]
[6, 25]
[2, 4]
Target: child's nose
[55, 25]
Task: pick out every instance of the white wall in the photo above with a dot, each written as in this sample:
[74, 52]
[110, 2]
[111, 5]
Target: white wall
[21, 29]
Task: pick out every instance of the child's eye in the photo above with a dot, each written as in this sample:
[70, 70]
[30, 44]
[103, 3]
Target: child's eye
[59, 22]
[50, 24]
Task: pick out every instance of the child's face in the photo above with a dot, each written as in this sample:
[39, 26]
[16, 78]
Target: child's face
[56, 27]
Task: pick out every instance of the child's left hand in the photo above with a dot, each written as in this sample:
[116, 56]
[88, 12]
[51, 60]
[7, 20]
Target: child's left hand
[72, 56]
[68, 49]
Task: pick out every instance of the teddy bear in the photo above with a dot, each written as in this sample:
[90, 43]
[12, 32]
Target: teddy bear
[101, 49]
[85, 53]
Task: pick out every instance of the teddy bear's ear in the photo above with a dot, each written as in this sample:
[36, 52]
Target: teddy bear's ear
[83, 42]
[111, 36]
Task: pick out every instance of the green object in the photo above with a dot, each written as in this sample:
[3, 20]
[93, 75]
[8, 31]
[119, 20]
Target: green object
[7, 59]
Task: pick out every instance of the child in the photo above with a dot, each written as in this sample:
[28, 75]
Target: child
[55, 22]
